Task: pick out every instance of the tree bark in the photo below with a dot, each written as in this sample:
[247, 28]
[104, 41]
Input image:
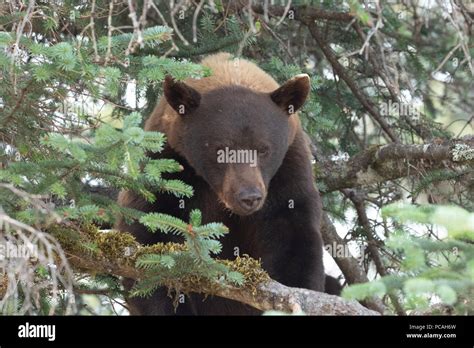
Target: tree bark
[266, 296]
[350, 267]
[275, 296]
[392, 161]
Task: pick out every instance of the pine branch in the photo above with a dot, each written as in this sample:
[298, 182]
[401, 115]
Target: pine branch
[308, 15]
[266, 296]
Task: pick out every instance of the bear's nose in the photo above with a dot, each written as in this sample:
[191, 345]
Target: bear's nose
[249, 198]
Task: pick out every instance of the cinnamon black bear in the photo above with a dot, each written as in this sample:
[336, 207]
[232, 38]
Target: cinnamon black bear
[270, 204]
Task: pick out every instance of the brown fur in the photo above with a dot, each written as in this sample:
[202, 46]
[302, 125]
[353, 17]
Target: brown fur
[225, 71]
[242, 105]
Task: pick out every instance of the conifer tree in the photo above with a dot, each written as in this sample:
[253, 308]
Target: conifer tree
[389, 117]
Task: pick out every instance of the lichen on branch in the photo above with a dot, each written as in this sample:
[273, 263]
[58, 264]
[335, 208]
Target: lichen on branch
[116, 253]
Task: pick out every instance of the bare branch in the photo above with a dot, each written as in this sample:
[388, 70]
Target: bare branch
[17, 273]
[341, 72]
[349, 265]
[308, 15]
[174, 47]
[19, 33]
[389, 162]
[92, 26]
[110, 30]
[175, 9]
[357, 198]
[195, 16]
[275, 296]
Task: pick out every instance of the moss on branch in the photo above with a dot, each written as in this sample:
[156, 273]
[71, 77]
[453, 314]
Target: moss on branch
[95, 252]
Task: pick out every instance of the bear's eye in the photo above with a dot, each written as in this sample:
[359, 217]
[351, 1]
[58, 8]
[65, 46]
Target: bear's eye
[263, 152]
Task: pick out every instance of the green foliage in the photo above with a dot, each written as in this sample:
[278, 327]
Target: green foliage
[73, 94]
[49, 78]
[363, 291]
[69, 136]
[155, 69]
[432, 271]
[217, 34]
[193, 262]
[112, 157]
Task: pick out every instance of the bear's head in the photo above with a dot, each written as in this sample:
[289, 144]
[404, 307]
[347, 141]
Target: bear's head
[234, 137]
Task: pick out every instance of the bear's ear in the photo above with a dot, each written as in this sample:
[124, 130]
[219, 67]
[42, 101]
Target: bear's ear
[292, 95]
[182, 98]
